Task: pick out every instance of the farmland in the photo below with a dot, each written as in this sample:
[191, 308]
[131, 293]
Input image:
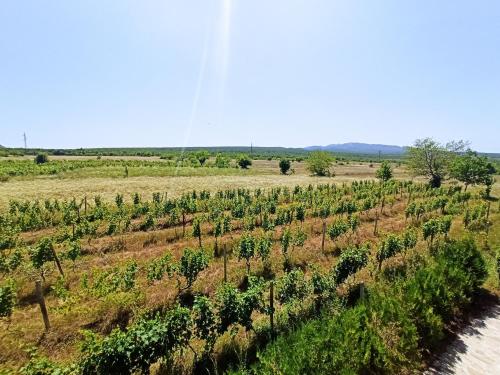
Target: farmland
[218, 262]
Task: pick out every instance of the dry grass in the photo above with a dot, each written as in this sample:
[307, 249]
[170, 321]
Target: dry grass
[263, 174]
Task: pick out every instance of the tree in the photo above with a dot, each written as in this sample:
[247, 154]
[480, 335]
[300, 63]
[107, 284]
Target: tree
[202, 156]
[319, 163]
[432, 159]
[472, 169]
[284, 166]
[384, 173]
[41, 158]
[244, 161]
[221, 161]
[197, 221]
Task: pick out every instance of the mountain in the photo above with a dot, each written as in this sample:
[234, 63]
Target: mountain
[360, 148]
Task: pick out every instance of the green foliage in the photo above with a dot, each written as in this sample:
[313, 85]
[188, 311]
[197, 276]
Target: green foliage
[386, 332]
[284, 165]
[74, 251]
[350, 261]
[144, 343]
[205, 321]
[235, 307]
[112, 280]
[319, 163]
[337, 229]
[157, 268]
[472, 169]
[263, 247]
[431, 159]
[389, 247]
[221, 161]
[191, 264]
[7, 299]
[244, 161]
[246, 248]
[292, 287]
[202, 156]
[42, 253]
[41, 158]
[384, 173]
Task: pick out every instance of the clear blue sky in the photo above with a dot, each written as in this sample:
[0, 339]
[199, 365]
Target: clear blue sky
[90, 73]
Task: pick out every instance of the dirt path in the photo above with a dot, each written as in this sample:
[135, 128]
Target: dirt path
[476, 350]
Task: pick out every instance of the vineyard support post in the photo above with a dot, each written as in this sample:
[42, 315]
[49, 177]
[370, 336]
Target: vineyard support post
[41, 301]
[323, 237]
[58, 263]
[376, 223]
[225, 262]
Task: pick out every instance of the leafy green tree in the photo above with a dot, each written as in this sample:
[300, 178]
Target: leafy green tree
[472, 169]
[41, 158]
[191, 264]
[244, 161]
[284, 165]
[431, 159]
[319, 163]
[384, 173]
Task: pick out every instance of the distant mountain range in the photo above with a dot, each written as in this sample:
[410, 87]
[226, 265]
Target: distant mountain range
[360, 148]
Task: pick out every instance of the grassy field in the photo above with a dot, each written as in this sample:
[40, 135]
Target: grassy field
[108, 181]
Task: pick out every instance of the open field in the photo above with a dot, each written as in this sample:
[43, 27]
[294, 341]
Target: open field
[263, 174]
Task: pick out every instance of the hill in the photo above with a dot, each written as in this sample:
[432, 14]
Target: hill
[361, 148]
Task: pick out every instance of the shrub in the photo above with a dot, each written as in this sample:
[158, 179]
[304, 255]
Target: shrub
[41, 158]
[191, 264]
[384, 173]
[284, 166]
[244, 161]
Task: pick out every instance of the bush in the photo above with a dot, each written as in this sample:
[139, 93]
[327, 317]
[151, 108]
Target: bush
[41, 158]
[386, 332]
[319, 163]
[284, 166]
[244, 161]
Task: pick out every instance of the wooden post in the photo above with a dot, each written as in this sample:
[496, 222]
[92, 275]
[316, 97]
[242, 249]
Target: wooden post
[58, 264]
[85, 204]
[41, 301]
[488, 210]
[376, 223]
[271, 309]
[362, 291]
[225, 262]
[323, 237]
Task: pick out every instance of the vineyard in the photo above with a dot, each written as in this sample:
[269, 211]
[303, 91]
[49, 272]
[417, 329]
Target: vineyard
[199, 282]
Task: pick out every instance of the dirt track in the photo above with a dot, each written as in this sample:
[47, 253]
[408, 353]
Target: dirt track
[476, 350]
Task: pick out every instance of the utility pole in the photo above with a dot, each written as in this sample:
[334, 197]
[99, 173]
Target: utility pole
[251, 148]
[25, 143]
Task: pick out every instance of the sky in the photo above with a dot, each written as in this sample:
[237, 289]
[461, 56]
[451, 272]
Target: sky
[139, 73]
